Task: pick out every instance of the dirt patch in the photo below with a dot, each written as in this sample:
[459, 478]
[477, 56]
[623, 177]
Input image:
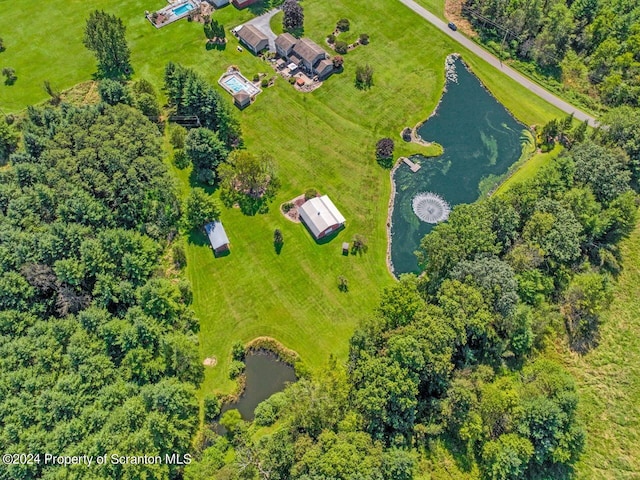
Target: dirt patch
[210, 362]
[453, 12]
[293, 213]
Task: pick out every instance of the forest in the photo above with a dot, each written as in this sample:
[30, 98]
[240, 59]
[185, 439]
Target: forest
[98, 348]
[591, 46]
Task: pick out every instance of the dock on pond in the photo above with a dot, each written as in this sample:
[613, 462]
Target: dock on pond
[413, 166]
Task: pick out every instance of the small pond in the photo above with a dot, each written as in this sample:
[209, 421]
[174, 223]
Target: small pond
[266, 375]
[481, 140]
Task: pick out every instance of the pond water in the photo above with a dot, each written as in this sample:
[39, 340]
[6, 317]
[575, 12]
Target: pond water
[266, 375]
[481, 140]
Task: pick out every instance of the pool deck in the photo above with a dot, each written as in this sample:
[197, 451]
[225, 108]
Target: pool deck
[168, 12]
[413, 166]
[252, 89]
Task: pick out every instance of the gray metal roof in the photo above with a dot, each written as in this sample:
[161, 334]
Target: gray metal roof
[217, 235]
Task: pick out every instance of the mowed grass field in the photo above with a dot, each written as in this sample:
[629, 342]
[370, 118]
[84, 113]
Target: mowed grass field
[323, 140]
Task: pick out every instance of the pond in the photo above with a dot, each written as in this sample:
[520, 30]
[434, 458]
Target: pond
[266, 375]
[481, 140]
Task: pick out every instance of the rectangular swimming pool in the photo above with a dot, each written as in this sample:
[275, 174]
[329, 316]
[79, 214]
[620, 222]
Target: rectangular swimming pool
[182, 9]
[234, 84]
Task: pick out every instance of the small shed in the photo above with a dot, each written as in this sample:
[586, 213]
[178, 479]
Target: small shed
[217, 236]
[345, 248]
[241, 99]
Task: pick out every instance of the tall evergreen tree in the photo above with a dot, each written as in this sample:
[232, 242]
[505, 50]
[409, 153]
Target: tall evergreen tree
[105, 36]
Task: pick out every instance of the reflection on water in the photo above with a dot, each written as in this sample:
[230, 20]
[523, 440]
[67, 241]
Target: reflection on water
[480, 138]
[266, 375]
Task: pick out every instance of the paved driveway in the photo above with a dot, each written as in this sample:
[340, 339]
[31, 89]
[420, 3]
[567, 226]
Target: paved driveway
[262, 23]
[491, 59]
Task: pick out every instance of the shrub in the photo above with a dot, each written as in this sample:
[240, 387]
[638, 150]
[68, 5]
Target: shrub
[2, 47]
[181, 159]
[338, 61]
[237, 351]
[292, 80]
[364, 39]
[406, 134]
[310, 193]
[384, 148]
[212, 406]
[343, 284]
[235, 369]
[343, 25]
[256, 78]
[359, 245]
[113, 92]
[264, 83]
[179, 256]
[341, 47]
[267, 412]
[178, 136]
[277, 236]
[10, 75]
[331, 38]
[364, 76]
[287, 207]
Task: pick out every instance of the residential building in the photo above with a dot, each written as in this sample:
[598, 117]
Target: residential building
[254, 39]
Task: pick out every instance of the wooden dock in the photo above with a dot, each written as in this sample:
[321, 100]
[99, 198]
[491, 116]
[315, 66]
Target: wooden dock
[413, 166]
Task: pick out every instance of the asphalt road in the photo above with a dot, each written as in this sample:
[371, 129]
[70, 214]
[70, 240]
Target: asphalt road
[488, 57]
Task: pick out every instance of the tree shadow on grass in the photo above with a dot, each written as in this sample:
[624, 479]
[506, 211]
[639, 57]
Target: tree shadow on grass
[277, 246]
[198, 237]
[216, 46]
[296, 32]
[260, 7]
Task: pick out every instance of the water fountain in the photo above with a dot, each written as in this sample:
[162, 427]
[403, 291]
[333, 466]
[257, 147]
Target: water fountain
[430, 207]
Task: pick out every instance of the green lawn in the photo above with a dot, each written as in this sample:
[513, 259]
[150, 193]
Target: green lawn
[324, 140]
[434, 6]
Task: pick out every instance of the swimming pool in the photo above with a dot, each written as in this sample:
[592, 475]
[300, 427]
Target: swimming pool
[234, 84]
[182, 9]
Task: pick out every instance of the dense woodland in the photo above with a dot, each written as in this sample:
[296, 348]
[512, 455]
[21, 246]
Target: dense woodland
[98, 352]
[593, 46]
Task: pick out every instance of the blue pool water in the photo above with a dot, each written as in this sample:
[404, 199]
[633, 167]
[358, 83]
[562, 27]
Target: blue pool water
[234, 84]
[182, 9]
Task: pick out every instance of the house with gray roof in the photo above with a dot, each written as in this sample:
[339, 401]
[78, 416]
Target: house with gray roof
[284, 44]
[324, 68]
[254, 39]
[309, 52]
[217, 236]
